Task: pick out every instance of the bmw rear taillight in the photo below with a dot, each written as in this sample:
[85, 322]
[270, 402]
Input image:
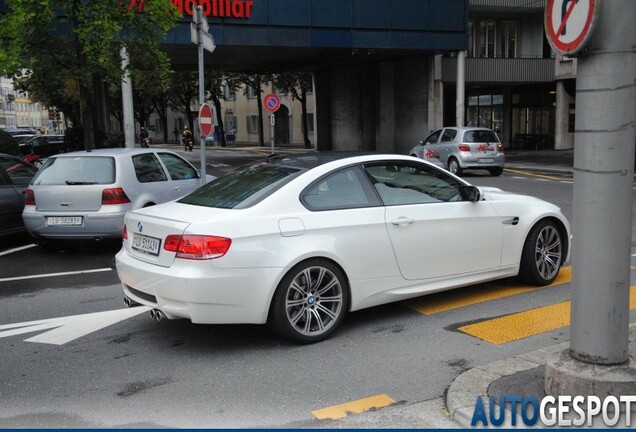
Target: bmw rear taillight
[114, 196]
[197, 247]
[464, 148]
[124, 233]
[29, 198]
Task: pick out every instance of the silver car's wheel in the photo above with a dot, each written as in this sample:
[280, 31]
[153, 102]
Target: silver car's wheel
[542, 254]
[453, 166]
[310, 302]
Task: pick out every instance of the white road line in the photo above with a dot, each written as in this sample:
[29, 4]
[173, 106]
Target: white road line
[18, 249]
[542, 180]
[54, 274]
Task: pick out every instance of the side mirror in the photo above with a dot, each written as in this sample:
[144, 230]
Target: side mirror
[470, 193]
[422, 142]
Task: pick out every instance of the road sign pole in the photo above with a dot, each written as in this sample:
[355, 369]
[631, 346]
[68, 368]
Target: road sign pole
[200, 18]
[272, 123]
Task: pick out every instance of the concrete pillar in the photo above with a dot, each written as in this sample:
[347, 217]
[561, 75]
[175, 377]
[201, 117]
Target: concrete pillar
[127, 101]
[602, 208]
[322, 97]
[461, 86]
[563, 139]
[385, 131]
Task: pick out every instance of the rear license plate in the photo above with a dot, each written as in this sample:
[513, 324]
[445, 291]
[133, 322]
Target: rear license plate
[486, 160]
[64, 220]
[149, 245]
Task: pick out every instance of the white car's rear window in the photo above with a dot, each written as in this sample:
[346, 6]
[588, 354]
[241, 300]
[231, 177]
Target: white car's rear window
[76, 170]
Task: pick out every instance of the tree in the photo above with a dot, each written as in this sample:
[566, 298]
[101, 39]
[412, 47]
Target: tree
[184, 87]
[75, 45]
[298, 84]
[256, 82]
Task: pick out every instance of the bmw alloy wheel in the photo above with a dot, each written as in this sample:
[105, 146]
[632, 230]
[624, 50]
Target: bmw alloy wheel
[548, 252]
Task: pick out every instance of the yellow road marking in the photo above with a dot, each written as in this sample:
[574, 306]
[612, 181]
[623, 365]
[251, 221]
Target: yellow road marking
[356, 407]
[535, 175]
[528, 323]
[475, 294]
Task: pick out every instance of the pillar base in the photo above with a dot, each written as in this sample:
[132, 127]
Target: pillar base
[567, 376]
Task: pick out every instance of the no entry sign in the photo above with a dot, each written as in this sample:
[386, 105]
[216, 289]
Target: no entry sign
[206, 123]
[569, 24]
[271, 102]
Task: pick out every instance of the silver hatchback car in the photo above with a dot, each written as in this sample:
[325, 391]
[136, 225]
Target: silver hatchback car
[85, 195]
[461, 148]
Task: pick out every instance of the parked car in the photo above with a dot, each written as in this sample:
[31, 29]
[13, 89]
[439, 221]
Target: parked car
[297, 241]
[43, 145]
[462, 148]
[15, 176]
[85, 195]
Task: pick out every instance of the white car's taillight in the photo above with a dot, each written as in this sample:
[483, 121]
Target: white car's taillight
[29, 198]
[197, 247]
[114, 196]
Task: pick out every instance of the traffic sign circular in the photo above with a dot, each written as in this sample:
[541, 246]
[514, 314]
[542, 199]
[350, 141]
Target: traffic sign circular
[206, 122]
[569, 24]
[272, 102]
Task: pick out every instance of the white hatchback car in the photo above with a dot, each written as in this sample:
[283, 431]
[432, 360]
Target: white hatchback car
[85, 195]
[298, 241]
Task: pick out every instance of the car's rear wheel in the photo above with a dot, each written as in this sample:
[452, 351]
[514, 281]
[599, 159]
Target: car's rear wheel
[542, 255]
[310, 302]
[495, 172]
[453, 166]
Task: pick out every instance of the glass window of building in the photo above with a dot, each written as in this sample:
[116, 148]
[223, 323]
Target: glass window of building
[252, 124]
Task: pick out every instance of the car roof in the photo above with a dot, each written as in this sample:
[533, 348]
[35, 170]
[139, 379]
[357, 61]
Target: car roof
[116, 151]
[466, 128]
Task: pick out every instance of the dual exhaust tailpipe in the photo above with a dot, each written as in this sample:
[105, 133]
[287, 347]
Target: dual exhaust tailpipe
[157, 315]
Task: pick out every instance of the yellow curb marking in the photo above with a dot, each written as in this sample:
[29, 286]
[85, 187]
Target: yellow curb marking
[355, 407]
[475, 294]
[528, 323]
[535, 175]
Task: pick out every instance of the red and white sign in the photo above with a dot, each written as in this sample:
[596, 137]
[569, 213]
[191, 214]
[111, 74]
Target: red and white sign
[570, 23]
[271, 102]
[206, 121]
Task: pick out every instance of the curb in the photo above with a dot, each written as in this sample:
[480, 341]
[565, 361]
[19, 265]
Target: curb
[464, 390]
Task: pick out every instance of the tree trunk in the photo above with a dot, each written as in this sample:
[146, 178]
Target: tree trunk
[261, 138]
[303, 104]
[219, 120]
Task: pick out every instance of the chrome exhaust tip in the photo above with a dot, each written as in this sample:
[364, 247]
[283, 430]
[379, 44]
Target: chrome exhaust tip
[130, 303]
[157, 315]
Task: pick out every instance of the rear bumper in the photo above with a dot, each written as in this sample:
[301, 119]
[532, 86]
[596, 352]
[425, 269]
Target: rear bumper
[94, 225]
[199, 292]
[469, 161]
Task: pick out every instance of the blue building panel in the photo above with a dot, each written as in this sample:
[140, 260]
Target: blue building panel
[448, 15]
[293, 37]
[374, 14]
[289, 12]
[372, 39]
[410, 14]
[331, 38]
[331, 13]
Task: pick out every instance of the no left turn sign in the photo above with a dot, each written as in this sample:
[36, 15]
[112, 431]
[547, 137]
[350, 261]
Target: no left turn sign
[569, 23]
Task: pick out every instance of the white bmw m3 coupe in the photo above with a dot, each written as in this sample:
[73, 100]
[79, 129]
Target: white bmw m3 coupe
[297, 241]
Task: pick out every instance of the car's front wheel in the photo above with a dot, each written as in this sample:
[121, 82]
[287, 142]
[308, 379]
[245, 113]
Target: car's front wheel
[310, 302]
[543, 254]
[453, 166]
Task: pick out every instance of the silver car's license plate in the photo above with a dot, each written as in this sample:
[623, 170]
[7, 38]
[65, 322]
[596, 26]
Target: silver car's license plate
[64, 220]
[146, 244]
[486, 160]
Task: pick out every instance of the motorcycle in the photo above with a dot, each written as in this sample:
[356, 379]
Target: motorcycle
[145, 143]
[188, 143]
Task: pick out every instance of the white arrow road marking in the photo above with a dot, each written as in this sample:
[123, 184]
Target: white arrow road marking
[66, 329]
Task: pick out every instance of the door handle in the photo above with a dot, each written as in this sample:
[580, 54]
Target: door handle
[403, 221]
[177, 188]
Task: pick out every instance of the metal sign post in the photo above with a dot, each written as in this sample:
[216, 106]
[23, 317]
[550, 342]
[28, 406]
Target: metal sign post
[200, 36]
[272, 103]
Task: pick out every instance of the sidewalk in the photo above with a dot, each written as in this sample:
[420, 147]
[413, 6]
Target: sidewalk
[521, 375]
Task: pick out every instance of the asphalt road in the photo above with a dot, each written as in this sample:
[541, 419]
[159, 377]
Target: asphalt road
[73, 356]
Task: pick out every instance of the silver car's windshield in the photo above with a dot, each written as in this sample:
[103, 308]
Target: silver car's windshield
[76, 170]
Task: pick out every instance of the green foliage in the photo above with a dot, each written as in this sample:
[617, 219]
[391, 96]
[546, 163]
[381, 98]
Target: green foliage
[8, 144]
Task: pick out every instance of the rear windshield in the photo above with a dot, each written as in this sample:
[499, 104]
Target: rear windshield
[480, 136]
[242, 189]
[76, 170]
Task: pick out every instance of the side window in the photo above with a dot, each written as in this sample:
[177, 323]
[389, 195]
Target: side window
[148, 169]
[432, 138]
[178, 168]
[19, 172]
[404, 183]
[341, 190]
[449, 135]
